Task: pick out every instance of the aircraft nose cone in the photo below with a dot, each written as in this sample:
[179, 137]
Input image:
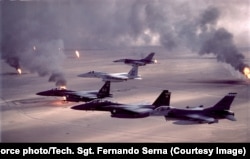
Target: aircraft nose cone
[77, 107]
[47, 93]
[88, 74]
[120, 60]
[82, 75]
[41, 93]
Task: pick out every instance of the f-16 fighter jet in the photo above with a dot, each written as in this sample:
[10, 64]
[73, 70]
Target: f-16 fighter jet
[220, 110]
[114, 77]
[79, 96]
[139, 62]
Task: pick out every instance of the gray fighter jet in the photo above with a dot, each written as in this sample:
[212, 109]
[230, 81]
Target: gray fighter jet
[161, 107]
[139, 62]
[114, 77]
[78, 96]
[119, 110]
[220, 110]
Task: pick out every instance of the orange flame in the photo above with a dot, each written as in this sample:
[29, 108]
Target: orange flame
[19, 71]
[62, 87]
[77, 54]
[246, 72]
[64, 98]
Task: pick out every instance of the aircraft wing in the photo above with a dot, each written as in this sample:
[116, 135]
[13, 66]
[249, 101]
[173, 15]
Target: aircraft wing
[117, 76]
[83, 94]
[133, 109]
[201, 118]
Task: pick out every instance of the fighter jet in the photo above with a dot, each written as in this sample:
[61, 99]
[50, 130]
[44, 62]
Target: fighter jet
[78, 96]
[139, 62]
[119, 110]
[161, 107]
[114, 77]
[220, 110]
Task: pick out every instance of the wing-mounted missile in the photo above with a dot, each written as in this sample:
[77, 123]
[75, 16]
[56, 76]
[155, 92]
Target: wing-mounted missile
[195, 107]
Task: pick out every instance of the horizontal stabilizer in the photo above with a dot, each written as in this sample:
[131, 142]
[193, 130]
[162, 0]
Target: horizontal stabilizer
[230, 117]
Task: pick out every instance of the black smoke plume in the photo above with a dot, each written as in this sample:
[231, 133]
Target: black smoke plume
[219, 41]
[31, 39]
[90, 24]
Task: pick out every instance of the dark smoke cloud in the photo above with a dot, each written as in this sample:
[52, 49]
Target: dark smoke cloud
[89, 24]
[221, 44]
[58, 78]
[219, 41]
[209, 16]
[31, 39]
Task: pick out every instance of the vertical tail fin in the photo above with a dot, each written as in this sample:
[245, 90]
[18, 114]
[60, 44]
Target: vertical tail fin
[224, 103]
[149, 57]
[133, 73]
[163, 99]
[104, 91]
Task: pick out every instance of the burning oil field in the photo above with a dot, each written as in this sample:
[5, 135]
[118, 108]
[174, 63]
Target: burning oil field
[35, 33]
[246, 72]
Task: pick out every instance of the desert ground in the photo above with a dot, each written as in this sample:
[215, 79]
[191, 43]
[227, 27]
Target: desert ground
[192, 79]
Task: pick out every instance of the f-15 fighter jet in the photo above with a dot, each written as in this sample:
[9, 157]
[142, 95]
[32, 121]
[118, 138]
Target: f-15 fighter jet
[79, 96]
[114, 77]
